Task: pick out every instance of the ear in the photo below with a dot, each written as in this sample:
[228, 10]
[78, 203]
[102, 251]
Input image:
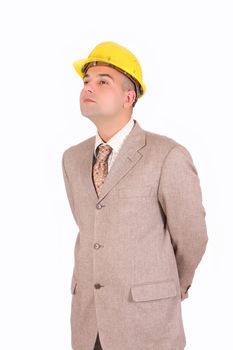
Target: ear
[130, 97]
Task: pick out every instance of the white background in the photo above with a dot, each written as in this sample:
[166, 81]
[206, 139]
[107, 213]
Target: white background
[186, 51]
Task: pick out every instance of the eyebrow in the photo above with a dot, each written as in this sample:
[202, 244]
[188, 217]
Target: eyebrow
[100, 75]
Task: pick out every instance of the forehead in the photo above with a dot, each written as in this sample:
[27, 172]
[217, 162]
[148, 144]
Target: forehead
[103, 69]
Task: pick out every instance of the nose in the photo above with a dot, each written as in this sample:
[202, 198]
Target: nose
[88, 88]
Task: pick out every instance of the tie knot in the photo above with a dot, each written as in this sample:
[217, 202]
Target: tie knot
[103, 152]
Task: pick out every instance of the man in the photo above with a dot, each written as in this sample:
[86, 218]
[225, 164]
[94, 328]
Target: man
[136, 198]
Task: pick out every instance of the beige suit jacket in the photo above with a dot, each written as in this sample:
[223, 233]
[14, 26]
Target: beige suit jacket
[138, 244]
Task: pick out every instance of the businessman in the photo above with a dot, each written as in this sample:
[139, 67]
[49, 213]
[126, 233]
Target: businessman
[135, 196]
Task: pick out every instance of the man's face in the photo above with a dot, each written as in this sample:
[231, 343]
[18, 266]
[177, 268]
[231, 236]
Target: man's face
[102, 96]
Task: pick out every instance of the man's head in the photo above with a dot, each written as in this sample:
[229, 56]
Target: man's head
[112, 79]
[112, 93]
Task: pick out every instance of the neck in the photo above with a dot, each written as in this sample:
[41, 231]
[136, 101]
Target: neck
[107, 131]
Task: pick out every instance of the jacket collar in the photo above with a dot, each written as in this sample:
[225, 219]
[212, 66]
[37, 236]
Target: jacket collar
[127, 157]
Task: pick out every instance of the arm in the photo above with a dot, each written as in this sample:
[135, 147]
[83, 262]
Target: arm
[181, 200]
[68, 187]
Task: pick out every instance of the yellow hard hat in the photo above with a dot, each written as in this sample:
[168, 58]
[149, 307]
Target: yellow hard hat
[118, 57]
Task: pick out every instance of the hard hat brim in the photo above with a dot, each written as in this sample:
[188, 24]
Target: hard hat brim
[79, 64]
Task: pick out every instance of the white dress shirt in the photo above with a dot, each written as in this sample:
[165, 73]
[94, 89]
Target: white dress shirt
[115, 142]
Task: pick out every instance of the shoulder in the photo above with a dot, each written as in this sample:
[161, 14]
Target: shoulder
[167, 147]
[78, 151]
[162, 143]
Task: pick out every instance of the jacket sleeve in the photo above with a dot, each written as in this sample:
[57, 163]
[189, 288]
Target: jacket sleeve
[68, 187]
[181, 200]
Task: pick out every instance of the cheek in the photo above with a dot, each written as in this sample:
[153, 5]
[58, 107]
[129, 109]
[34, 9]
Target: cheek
[81, 93]
[113, 98]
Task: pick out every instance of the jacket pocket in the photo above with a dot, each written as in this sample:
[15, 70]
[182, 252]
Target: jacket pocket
[154, 291]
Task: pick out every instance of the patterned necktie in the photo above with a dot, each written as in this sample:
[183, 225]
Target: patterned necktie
[100, 168]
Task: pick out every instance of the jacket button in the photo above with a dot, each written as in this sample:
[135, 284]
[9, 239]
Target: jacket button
[98, 286]
[98, 206]
[96, 245]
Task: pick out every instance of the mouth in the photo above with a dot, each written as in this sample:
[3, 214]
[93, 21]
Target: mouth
[88, 100]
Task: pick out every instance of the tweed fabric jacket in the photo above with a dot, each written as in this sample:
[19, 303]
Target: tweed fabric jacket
[137, 245]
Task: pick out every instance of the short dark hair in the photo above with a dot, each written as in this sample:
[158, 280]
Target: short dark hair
[128, 84]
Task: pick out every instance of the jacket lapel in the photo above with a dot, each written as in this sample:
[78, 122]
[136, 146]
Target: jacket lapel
[127, 157]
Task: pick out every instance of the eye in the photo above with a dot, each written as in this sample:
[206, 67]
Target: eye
[85, 82]
[102, 82]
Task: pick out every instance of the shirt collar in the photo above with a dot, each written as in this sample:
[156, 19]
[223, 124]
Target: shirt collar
[116, 141]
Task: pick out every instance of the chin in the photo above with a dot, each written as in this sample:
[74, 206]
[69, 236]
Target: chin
[86, 112]
[90, 116]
